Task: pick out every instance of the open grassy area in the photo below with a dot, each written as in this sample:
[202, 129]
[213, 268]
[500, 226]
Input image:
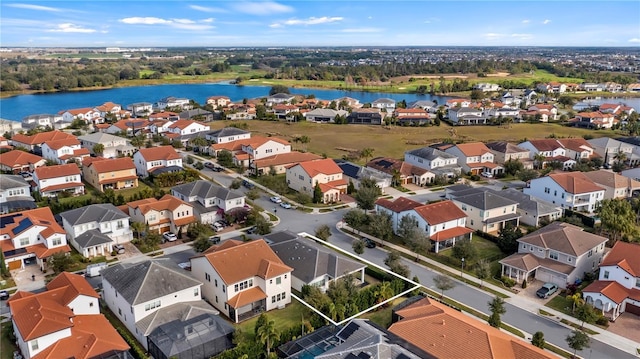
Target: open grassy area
[382, 317]
[394, 141]
[7, 347]
[285, 318]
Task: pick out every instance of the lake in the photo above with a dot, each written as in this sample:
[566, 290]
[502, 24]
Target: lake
[17, 107]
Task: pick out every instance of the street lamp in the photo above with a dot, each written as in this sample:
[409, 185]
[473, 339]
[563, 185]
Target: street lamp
[462, 268]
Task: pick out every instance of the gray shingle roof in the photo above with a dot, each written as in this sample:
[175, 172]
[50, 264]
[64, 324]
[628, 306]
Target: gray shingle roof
[227, 131]
[100, 137]
[92, 238]
[430, 153]
[178, 311]
[529, 203]
[101, 212]
[205, 189]
[144, 281]
[482, 198]
[12, 181]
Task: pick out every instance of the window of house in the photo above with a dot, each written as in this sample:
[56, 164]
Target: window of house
[270, 281]
[278, 280]
[569, 259]
[547, 190]
[207, 277]
[553, 255]
[236, 287]
[285, 276]
[215, 282]
[590, 253]
[224, 288]
[34, 344]
[196, 292]
[216, 299]
[638, 282]
[57, 241]
[273, 299]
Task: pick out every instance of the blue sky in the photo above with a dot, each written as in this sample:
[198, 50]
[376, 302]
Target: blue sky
[159, 23]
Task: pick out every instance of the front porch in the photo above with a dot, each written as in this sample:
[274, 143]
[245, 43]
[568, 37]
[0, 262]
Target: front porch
[73, 189]
[120, 183]
[247, 304]
[447, 238]
[495, 224]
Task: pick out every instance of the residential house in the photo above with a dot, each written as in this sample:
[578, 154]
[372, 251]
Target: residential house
[411, 116]
[431, 159]
[261, 283]
[110, 109]
[595, 120]
[173, 102]
[218, 101]
[592, 87]
[397, 209]
[365, 116]
[209, 201]
[19, 161]
[244, 112]
[4, 144]
[347, 103]
[542, 112]
[88, 115]
[501, 112]
[559, 253]
[305, 176]
[504, 151]
[113, 173]
[551, 87]
[385, 105]
[158, 127]
[279, 98]
[401, 172]
[130, 127]
[227, 134]
[572, 190]
[15, 194]
[34, 142]
[140, 109]
[617, 289]
[136, 291]
[167, 214]
[187, 127]
[113, 146]
[51, 180]
[429, 106]
[166, 116]
[245, 151]
[197, 114]
[324, 115]
[577, 148]
[457, 102]
[615, 185]
[486, 211]
[466, 116]
[313, 264]
[284, 111]
[94, 229]
[551, 150]
[355, 174]
[533, 211]
[157, 160]
[64, 151]
[53, 121]
[475, 157]
[422, 322]
[278, 164]
[64, 322]
[486, 87]
[31, 235]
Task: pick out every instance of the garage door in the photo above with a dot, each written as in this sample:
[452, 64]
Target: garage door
[633, 309]
[549, 277]
[15, 265]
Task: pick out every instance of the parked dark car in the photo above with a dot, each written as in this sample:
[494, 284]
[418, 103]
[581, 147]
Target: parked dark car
[248, 184]
[4, 295]
[209, 165]
[252, 230]
[369, 243]
[214, 239]
[547, 290]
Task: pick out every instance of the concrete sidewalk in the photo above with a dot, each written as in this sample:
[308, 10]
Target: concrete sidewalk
[603, 335]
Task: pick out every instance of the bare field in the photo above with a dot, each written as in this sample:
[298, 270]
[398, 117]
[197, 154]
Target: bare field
[394, 141]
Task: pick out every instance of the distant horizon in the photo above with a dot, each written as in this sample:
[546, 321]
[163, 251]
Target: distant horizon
[324, 46]
[325, 23]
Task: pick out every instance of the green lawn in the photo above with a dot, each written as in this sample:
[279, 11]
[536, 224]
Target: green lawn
[382, 317]
[285, 318]
[7, 347]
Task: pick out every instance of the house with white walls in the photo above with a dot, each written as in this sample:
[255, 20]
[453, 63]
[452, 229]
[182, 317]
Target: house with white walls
[571, 190]
[63, 151]
[51, 180]
[156, 160]
[475, 157]
[210, 201]
[325, 173]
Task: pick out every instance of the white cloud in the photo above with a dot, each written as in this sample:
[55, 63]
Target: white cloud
[184, 24]
[546, 21]
[207, 9]
[526, 21]
[306, 22]
[261, 7]
[362, 30]
[635, 40]
[69, 28]
[522, 36]
[34, 7]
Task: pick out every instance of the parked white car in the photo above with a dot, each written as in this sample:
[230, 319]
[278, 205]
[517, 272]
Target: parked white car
[169, 237]
[276, 199]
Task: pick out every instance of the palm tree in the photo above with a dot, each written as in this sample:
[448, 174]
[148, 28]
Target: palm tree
[395, 178]
[575, 299]
[331, 308]
[267, 334]
[539, 158]
[366, 153]
[383, 292]
[199, 142]
[620, 157]
[98, 149]
[138, 227]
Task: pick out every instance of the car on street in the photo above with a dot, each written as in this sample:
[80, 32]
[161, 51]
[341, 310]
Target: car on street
[487, 174]
[169, 237]
[285, 205]
[217, 226]
[252, 230]
[218, 169]
[547, 290]
[275, 199]
[214, 239]
[248, 184]
[185, 265]
[369, 243]
[118, 248]
[4, 295]
[209, 165]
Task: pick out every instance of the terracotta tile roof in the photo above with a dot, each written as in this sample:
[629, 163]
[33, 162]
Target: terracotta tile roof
[41, 314]
[41, 137]
[162, 115]
[449, 334]
[324, 166]
[61, 186]
[92, 336]
[398, 205]
[74, 284]
[257, 258]
[167, 202]
[575, 182]
[79, 111]
[473, 149]
[159, 153]
[626, 256]
[547, 144]
[610, 289]
[246, 297]
[107, 106]
[182, 124]
[132, 124]
[565, 238]
[333, 185]
[575, 144]
[440, 212]
[46, 172]
[612, 179]
[58, 144]
[41, 251]
[450, 233]
[17, 158]
[594, 115]
[286, 159]
[39, 216]
[109, 165]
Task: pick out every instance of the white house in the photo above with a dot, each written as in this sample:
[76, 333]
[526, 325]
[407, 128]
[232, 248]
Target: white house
[243, 279]
[227, 134]
[15, 194]
[617, 289]
[324, 115]
[218, 101]
[134, 291]
[51, 180]
[385, 104]
[35, 142]
[187, 127]
[615, 185]
[94, 229]
[475, 157]
[572, 190]
[167, 214]
[174, 102]
[550, 149]
[62, 151]
[140, 109]
[210, 201]
[245, 151]
[486, 87]
[42, 120]
[64, 322]
[466, 116]
[608, 148]
[157, 160]
[326, 174]
[114, 146]
[397, 209]
[434, 160]
[86, 114]
[279, 98]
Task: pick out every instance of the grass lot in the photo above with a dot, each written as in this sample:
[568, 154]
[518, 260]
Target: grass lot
[394, 141]
[382, 317]
[285, 318]
[7, 347]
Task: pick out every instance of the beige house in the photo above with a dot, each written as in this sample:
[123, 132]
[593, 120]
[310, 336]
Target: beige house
[167, 214]
[504, 151]
[115, 173]
[304, 176]
[486, 211]
[615, 185]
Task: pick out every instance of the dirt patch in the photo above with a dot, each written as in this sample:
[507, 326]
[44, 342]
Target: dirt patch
[499, 74]
[626, 325]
